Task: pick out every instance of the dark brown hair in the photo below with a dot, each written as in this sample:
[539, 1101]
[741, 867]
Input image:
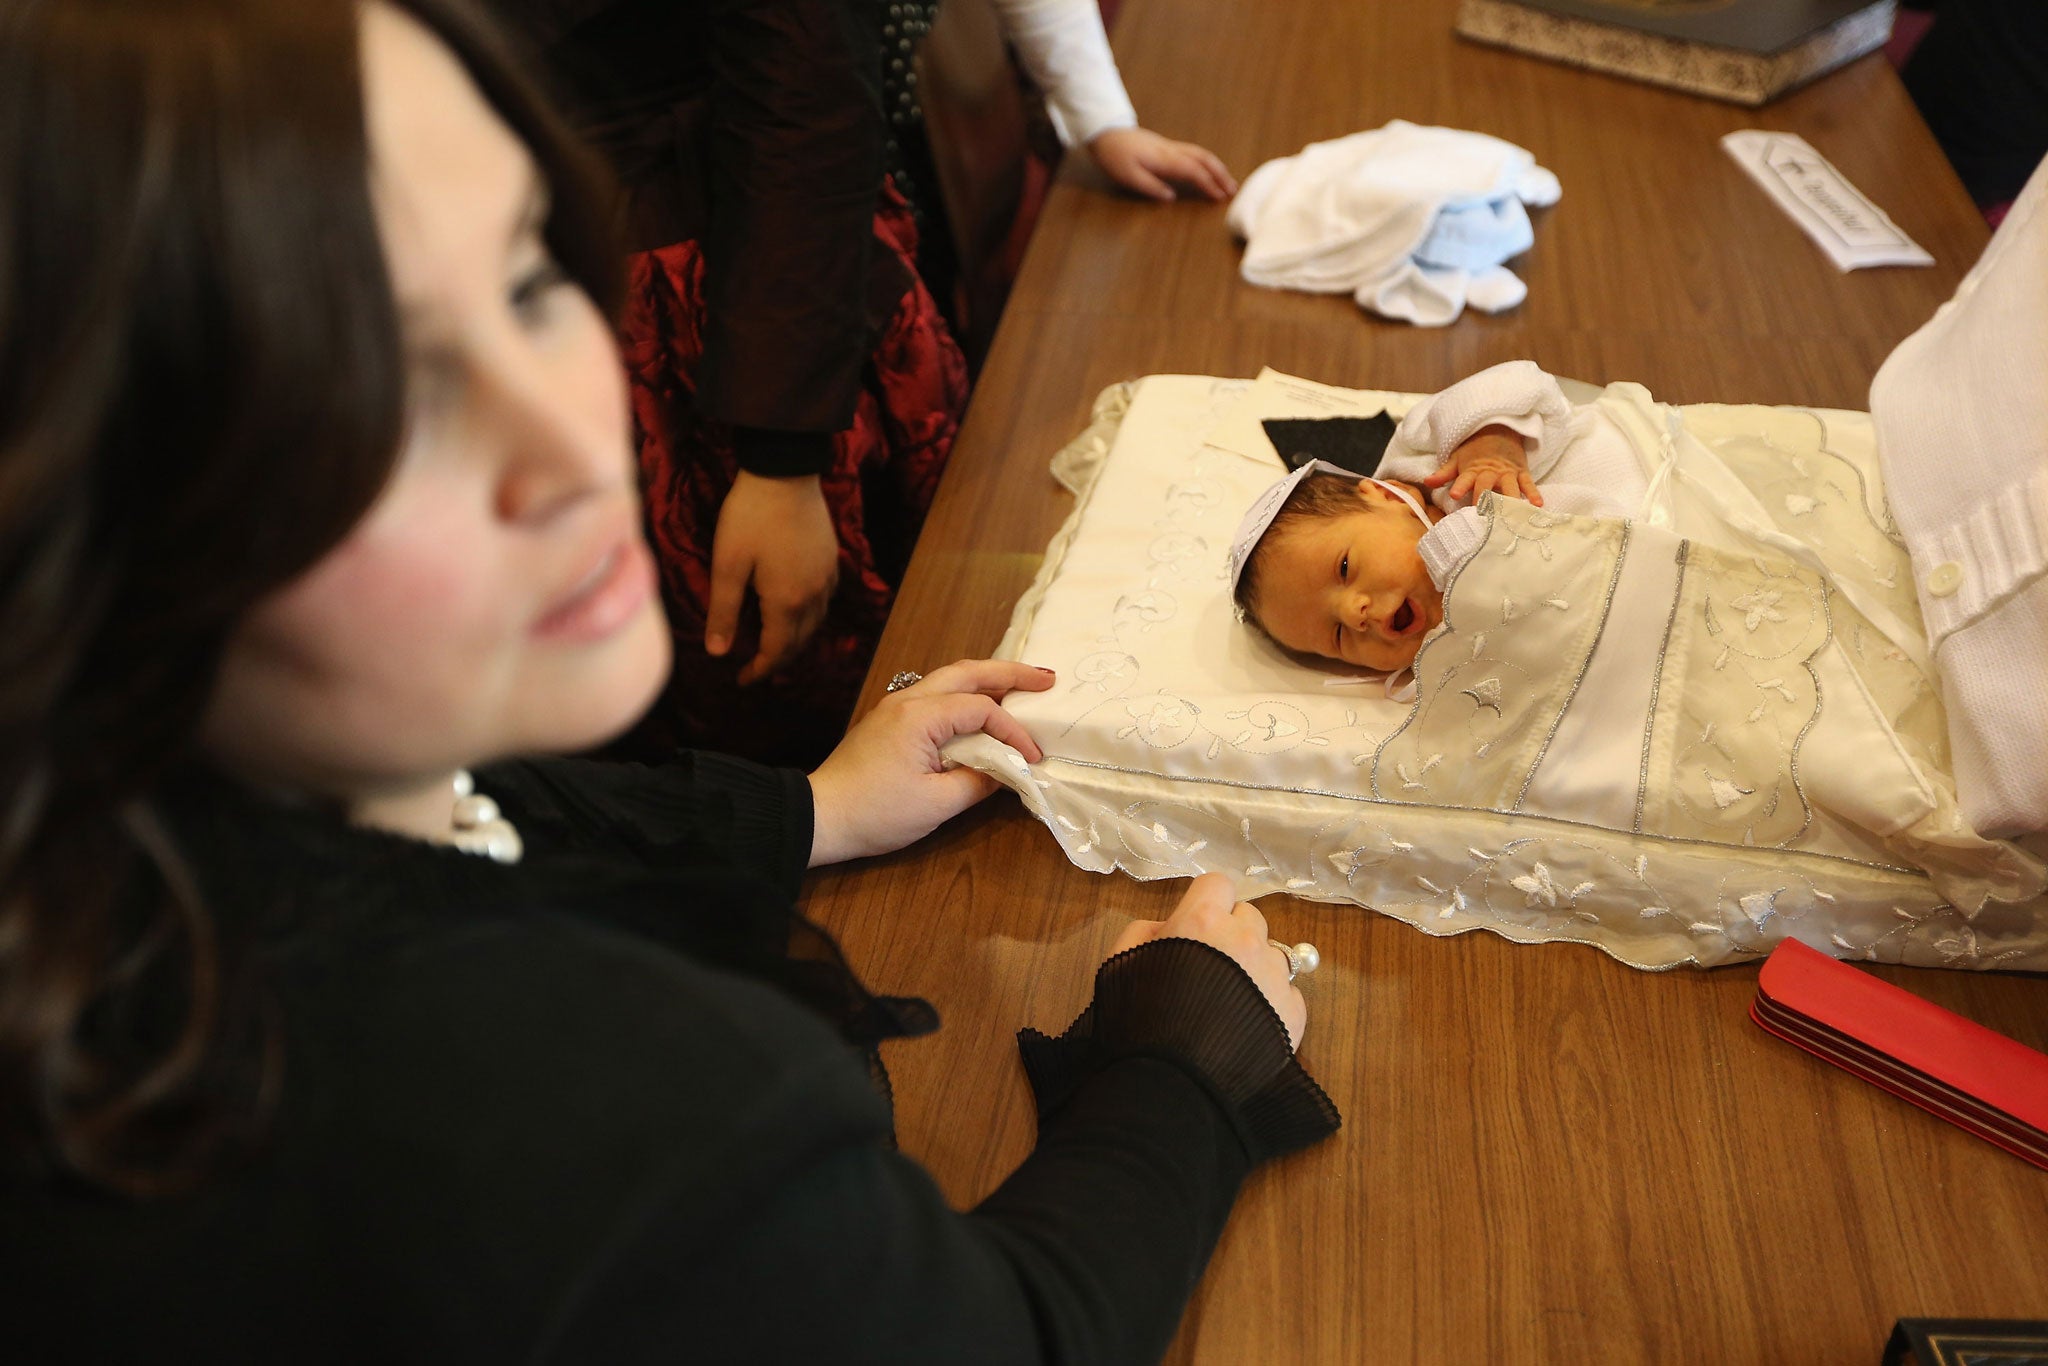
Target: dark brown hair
[1320, 496]
[201, 391]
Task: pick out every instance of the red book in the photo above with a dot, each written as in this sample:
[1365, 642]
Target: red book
[1973, 1077]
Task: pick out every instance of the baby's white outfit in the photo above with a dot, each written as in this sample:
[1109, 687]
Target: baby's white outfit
[1582, 462]
[1961, 416]
[1413, 222]
[1755, 538]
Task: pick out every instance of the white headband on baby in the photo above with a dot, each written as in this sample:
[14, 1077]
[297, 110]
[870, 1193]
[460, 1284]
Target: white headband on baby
[1267, 506]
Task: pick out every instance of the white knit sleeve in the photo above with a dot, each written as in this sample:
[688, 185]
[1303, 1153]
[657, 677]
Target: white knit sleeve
[1405, 462]
[1065, 48]
[1962, 435]
[1518, 395]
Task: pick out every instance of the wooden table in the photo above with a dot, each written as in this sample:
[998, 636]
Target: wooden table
[1546, 1156]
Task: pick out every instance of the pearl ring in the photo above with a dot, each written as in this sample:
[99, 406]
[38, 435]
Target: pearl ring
[1301, 958]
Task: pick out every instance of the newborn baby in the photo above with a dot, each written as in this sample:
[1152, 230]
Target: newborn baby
[1332, 568]
[1352, 569]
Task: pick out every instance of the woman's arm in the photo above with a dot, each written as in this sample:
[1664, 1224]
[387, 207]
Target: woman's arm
[1086, 1254]
[700, 810]
[1174, 1085]
[887, 784]
[794, 153]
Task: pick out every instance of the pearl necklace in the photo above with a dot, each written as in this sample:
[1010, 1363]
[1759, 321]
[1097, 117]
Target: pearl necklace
[476, 826]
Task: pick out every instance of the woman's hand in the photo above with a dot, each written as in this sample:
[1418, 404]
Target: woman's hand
[1492, 460]
[1145, 163]
[776, 534]
[1211, 912]
[885, 786]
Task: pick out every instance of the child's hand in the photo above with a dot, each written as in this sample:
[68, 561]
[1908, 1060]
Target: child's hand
[1145, 163]
[1492, 460]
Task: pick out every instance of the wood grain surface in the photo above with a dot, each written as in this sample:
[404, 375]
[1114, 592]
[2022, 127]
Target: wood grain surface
[1547, 1156]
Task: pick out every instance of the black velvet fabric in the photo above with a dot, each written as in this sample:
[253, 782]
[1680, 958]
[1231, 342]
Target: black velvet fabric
[755, 128]
[1186, 1003]
[610, 1105]
[1980, 78]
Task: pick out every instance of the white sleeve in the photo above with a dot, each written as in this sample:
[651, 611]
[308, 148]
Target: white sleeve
[1065, 48]
[1962, 436]
[1517, 395]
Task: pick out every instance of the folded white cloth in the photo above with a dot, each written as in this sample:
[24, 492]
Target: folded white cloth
[1413, 222]
[1962, 432]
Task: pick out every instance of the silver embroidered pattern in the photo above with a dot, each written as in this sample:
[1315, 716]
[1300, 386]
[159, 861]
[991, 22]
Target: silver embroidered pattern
[1886, 526]
[1585, 662]
[1827, 617]
[1444, 633]
[1657, 685]
[1906, 870]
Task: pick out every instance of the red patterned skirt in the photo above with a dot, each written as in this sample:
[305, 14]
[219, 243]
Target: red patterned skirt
[884, 470]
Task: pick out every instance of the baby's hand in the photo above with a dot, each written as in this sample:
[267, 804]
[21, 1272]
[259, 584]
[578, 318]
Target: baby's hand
[1492, 460]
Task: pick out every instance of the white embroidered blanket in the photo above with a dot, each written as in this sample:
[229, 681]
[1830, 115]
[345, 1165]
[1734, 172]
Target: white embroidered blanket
[1679, 738]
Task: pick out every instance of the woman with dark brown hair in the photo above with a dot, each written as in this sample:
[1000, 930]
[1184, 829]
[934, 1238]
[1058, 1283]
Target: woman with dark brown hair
[316, 494]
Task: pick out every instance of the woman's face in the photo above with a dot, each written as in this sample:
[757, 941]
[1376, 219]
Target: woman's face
[498, 598]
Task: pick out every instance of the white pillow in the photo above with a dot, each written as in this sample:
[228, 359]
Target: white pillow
[1180, 741]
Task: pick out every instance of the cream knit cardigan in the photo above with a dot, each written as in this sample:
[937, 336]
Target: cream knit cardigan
[1961, 408]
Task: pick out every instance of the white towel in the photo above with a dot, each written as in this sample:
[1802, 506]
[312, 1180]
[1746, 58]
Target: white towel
[1413, 222]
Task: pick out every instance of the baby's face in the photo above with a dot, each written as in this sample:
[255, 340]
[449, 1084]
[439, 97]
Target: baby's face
[1351, 588]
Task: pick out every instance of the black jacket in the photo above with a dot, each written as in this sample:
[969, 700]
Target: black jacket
[755, 128]
[571, 1111]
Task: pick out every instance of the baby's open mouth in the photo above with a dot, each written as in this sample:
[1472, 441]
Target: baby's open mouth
[1402, 618]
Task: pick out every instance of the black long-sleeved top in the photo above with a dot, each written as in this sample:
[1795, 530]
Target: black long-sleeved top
[1980, 79]
[573, 1111]
[755, 128]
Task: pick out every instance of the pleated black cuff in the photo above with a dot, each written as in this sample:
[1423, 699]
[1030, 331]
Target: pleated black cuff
[1184, 1002]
